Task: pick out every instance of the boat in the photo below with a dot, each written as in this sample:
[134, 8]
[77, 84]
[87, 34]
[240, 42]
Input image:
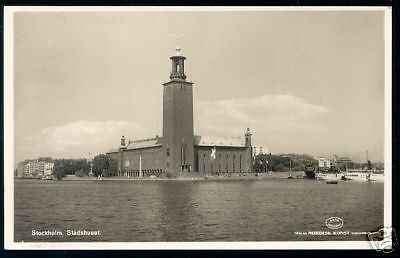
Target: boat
[364, 175]
[332, 182]
[47, 177]
[360, 176]
[331, 175]
[328, 176]
[344, 178]
[376, 177]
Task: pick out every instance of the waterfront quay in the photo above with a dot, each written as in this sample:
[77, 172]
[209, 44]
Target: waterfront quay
[195, 176]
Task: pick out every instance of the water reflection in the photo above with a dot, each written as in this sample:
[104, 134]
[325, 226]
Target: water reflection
[177, 216]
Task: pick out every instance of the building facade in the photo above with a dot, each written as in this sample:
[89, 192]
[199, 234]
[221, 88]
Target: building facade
[35, 168]
[179, 150]
[326, 163]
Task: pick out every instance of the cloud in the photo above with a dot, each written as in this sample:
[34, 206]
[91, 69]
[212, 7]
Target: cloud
[77, 139]
[268, 112]
[270, 116]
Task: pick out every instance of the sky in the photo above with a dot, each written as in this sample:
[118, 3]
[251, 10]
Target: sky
[303, 81]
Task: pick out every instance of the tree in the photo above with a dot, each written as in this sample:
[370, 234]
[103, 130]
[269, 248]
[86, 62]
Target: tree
[58, 170]
[63, 167]
[99, 164]
[261, 163]
[113, 167]
[281, 163]
[83, 168]
[103, 165]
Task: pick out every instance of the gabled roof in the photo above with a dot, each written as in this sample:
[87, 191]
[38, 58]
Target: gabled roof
[142, 143]
[218, 141]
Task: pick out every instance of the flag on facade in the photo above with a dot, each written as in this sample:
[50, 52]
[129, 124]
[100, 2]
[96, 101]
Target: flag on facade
[213, 151]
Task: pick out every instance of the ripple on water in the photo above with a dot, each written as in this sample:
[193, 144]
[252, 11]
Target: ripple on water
[247, 210]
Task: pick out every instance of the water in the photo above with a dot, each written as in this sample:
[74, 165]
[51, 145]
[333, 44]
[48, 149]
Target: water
[231, 210]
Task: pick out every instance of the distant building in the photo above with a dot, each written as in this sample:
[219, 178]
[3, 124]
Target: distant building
[20, 169]
[35, 168]
[48, 168]
[259, 150]
[179, 150]
[29, 169]
[343, 162]
[326, 163]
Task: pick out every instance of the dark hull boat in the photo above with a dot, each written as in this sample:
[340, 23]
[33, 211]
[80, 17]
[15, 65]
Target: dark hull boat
[332, 182]
[310, 172]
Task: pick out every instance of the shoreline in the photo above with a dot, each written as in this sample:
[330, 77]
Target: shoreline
[263, 176]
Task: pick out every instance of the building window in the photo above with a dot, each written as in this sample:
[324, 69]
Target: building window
[240, 163]
[197, 162]
[227, 163]
[219, 163]
[183, 154]
[204, 163]
[233, 163]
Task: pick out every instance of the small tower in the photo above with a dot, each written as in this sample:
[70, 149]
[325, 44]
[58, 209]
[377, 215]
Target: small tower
[248, 137]
[123, 143]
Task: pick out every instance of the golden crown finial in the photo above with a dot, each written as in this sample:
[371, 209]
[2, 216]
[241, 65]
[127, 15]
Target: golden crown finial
[178, 48]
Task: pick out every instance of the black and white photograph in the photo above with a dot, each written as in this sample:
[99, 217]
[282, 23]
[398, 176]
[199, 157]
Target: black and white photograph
[197, 127]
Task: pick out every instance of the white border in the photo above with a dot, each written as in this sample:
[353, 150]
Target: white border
[9, 136]
[388, 121]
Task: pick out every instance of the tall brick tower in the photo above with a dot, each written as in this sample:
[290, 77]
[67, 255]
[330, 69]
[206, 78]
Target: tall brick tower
[178, 138]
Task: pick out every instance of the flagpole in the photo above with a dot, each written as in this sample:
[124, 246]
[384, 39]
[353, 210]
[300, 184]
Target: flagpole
[140, 165]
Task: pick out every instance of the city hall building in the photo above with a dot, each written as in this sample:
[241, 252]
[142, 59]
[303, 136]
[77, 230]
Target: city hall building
[179, 150]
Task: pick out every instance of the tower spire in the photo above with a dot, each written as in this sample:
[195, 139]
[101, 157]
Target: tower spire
[178, 48]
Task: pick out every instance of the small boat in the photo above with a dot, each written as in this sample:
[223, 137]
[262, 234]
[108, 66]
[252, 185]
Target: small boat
[47, 177]
[344, 178]
[333, 182]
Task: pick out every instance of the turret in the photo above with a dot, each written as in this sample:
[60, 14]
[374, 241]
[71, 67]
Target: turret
[248, 137]
[123, 143]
